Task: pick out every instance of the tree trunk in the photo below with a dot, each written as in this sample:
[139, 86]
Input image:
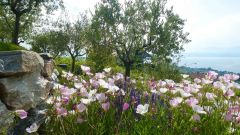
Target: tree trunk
[73, 64]
[127, 69]
[16, 29]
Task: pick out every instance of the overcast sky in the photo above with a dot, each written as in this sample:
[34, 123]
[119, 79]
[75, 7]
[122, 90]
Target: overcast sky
[214, 25]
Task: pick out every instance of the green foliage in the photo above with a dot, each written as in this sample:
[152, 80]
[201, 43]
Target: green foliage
[53, 42]
[138, 27]
[10, 47]
[100, 57]
[68, 61]
[164, 71]
[19, 16]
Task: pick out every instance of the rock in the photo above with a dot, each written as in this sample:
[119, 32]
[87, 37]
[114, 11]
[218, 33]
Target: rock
[14, 63]
[24, 92]
[21, 83]
[6, 117]
[48, 68]
[48, 65]
[33, 117]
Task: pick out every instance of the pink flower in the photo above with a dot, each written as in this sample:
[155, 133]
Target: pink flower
[81, 107]
[212, 75]
[197, 80]
[125, 106]
[234, 77]
[229, 93]
[101, 97]
[176, 101]
[100, 75]
[228, 117]
[192, 101]
[218, 85]
[22, 114]
[67, 92]
[106, 106]
[62, 111]
[65, 100]
[210, 96]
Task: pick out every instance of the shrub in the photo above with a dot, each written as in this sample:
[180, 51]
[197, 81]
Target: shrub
[10, 47]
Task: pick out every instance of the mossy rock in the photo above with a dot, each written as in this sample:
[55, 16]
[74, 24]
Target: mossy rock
[10, 47]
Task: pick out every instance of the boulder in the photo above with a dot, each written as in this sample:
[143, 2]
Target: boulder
[24, 92]
[21, 84]
[24, 84]
[6, 117]
[13, 63]
[48, 65]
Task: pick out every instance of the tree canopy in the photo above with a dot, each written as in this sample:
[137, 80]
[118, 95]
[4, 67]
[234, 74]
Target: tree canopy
[22, 13]
[137, 27]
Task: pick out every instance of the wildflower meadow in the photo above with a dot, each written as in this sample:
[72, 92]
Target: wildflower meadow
[109, 103]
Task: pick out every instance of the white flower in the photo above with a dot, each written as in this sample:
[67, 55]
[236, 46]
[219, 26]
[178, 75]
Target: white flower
[103, 83]
[198, 109]
[85, 69]
[78, 85]
[154, 91]
[185, 76]
[100, 75]
[86, 101]
[50, 100]
[42, 111]
[112, 89]
[33, 128]
[107, 69]
[163, 90]
[142, 109]
[185, 94]
[91, 94]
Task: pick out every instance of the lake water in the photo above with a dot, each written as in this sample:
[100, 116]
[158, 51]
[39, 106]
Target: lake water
[220, 63]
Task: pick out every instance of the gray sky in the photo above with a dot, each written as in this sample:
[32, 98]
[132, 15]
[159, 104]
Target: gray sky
[214, 25]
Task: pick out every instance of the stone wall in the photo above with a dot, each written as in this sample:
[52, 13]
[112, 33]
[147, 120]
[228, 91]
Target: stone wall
[25, 81]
